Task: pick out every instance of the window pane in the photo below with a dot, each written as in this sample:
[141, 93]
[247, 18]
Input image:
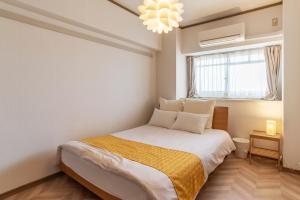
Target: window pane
[247, 81]
[239, 74]
[238, 57]
[210, 81]
[257, 55]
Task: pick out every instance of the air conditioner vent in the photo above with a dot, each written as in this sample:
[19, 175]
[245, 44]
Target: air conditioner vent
[223, 35]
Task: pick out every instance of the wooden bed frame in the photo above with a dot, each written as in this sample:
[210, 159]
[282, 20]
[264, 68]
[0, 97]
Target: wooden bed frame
[220, 121]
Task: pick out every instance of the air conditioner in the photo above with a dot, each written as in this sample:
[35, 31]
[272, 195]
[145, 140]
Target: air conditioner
[223, 35]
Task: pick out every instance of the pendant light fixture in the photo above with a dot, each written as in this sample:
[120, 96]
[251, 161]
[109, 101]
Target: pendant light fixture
[161, 15]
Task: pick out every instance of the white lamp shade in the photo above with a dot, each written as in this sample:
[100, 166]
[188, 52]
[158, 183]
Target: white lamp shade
[161, 15]
[271, 127]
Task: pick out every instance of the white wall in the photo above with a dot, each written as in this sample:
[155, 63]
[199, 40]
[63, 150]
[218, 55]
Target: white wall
[291, 16]
[56, 87]
[98, 14]
[257, 23]
[171, 63]
[166, 67]
[181, 68]
[244, 116]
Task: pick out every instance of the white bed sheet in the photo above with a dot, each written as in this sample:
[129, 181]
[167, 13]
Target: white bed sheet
[147, 183]
[112, 183]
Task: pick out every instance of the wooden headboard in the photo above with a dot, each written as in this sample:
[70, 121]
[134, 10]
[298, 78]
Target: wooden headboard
[220, 120]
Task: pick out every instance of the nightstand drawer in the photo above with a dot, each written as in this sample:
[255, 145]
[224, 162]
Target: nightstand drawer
[265, 152]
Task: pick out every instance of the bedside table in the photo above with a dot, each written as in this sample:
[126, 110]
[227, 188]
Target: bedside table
[274, 154]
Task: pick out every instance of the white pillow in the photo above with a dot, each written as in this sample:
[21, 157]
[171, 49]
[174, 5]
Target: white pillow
[171, 105]
[163, 118]
[190, 122]
[201, 107]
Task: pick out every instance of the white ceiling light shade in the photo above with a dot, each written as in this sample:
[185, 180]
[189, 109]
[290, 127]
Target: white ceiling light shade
[161, 15]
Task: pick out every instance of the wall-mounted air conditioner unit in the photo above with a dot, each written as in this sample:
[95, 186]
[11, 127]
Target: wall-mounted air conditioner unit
[223, 35]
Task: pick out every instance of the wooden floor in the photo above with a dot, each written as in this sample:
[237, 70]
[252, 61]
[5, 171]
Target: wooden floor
[235, 179]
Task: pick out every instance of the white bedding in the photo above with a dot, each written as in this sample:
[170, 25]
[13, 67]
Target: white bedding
[211, 147]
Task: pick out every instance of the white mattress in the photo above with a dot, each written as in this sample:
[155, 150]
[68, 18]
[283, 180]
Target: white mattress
[131, 180]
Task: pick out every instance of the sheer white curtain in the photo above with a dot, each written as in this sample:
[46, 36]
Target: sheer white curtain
[239, 74]
[210, 75]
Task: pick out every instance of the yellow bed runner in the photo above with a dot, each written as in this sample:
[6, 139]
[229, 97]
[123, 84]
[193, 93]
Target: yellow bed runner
[185, 170]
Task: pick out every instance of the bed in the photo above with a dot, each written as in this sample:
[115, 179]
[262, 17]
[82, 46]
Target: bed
[112, 177]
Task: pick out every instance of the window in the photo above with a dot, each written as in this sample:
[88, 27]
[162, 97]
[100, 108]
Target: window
[239, 74]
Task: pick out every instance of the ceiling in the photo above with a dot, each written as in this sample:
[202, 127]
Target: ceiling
[196, 11]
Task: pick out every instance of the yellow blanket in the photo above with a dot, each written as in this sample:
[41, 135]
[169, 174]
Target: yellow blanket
[184, 169]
